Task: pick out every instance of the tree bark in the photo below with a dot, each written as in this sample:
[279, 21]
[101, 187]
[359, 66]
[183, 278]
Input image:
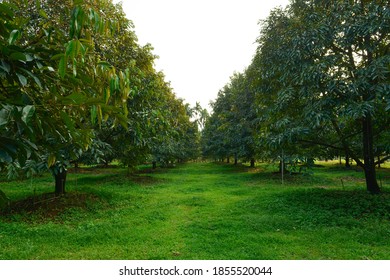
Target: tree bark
[369, 159]
[154, 164]
[60, 179]
[347, 161]
[253, 163]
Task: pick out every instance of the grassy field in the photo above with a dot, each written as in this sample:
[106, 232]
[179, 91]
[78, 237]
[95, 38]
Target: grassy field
[200, 211]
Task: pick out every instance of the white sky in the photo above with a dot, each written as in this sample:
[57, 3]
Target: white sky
[200, 43]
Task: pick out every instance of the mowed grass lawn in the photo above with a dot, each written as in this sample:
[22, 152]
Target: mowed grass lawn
[201, 211]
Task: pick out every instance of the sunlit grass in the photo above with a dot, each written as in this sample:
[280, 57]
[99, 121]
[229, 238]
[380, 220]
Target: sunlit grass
[204, 211]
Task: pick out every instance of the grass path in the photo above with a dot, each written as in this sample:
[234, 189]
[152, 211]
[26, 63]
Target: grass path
[204, 211]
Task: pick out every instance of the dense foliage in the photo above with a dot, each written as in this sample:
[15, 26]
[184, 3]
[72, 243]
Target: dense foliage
[321, 81]
[77, 87]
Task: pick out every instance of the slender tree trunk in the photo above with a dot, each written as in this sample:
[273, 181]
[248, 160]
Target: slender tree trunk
[154, 164]
[235, 159]
[253, 163]
[282, 166]
[228, 159]
[369, 159]
[60, 179]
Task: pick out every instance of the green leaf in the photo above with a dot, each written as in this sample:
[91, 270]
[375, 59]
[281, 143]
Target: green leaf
[5, 157]
[51, 160]
[106, 95]
[29, 57]
[27, 114]
[35, 78]
[37, 81]
[57, 56]
[43, 14]
[22, 79]
[68, 121]
[104, 64]
[18, 56]
[99, 114]
[122, 120]
[4, 117]
[15, 34]
[74, 68]
[70, 49]
[93, 114]
[93, 101]
[62, 67]
[74, 98]
[5, 66]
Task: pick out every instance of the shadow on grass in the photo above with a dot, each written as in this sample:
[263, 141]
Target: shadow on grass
[48, 207]
[314, 208]
[116, 179]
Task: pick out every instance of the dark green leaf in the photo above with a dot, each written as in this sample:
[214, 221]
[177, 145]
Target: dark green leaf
[93, 114]
[5, 157]
[5, 66]
[27, 114]
[18, 56]
[35, 78]
[15, 34]
[74, 98]
[70, 49]
[22, 79]
[62, 67]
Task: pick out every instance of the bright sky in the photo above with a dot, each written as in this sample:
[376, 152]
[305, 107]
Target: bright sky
[200, 43]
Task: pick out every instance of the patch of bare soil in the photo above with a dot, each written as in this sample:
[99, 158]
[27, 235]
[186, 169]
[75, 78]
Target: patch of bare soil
[48, 206]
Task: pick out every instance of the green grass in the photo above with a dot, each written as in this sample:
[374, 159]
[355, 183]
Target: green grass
[201, 211]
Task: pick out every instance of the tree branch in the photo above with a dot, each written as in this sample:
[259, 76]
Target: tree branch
[321, 144]
[345, 145]
[382, 160]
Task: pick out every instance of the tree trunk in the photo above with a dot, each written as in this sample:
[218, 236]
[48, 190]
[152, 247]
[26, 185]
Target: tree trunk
[228, 159]
[154, 164]
[347, 160]
[253, 163]
[282, 166]
[60, 179]
[369, 159]
[235, 159]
